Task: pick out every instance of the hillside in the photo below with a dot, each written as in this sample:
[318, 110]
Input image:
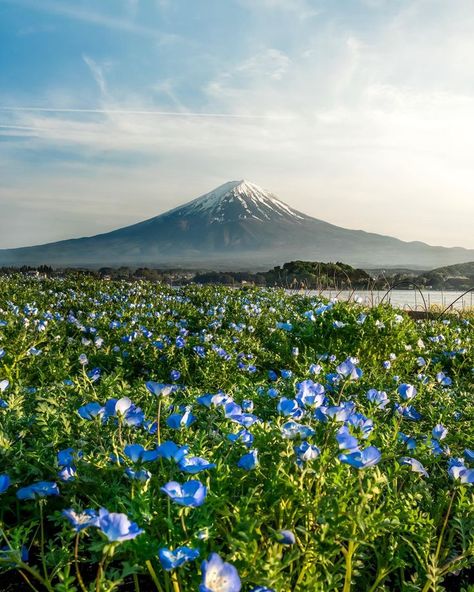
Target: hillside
[239, 226]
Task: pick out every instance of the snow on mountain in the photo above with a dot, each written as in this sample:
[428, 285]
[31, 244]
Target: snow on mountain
[238, 200]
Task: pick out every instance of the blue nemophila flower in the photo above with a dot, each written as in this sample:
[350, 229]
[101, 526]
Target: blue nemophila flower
[361, 459]
[348, 369]
[4, 483]
[289, 407]
[273, 393]
[117, 527]
[39, 489]
[285, 326]
[286, 374]
[408, 440]
[192, 493]
[310, 394]
[315, 369]
[175, 375]
[194, 464]
[200, 351]
[362, 423]
[90, 410]
[457, 470]
[408, 412]
[439, 432]
[231, 408]
[118, 407]
[415, 465]
[83, 360]
[83, 520]
[141, 475]
[341, 412]
[137, 453]
[67, 457]
[177, 421]
[217, 400]
[423, 378]
[172, 451]
[247, 405]
[306, 451]
[346, 440]
[380, 398]
[272, 375]
[243, 436]
[33, 351]
[67, 473]
[124, 409]
[286, 537]
[443, 379]
[94, 374]
[249, 461]
[2, 353]
[407, 391]
[4, 385]
[469, 454]
[219, 576]
[159, 389]
[172, 559]
[292, 429]
[262, 589]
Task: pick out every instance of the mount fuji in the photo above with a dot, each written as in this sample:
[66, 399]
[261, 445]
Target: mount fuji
[238, 224]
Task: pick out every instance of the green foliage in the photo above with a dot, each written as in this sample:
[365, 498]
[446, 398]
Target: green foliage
[381, 528]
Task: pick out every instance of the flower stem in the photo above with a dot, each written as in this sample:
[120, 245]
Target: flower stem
[174, 581]
[158, 418]
[43, 558]
[348, 577]
[153, 576]
[76, 563]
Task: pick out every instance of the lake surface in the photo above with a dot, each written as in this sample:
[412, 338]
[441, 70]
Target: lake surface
[406, 299]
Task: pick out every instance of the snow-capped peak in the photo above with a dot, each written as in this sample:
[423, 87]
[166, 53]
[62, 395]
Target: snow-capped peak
[239, 200]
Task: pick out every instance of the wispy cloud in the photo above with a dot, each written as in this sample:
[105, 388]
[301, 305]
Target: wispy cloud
[112, 111]
[97, 73]
[77, 13]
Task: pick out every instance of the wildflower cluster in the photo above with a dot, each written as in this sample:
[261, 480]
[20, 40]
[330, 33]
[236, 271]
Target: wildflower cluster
[220, 440]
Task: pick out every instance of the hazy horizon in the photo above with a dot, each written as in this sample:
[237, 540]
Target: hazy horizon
[358, 113]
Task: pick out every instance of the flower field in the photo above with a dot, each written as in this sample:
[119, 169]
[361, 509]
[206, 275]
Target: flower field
[219, 440]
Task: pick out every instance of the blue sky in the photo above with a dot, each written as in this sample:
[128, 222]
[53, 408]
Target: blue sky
[359, 112]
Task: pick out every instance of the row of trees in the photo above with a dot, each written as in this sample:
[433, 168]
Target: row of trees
[294, 274]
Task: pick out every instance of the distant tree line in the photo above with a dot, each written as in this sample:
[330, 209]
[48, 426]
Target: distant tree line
[453, 277]
[295, 274]
[312, 275]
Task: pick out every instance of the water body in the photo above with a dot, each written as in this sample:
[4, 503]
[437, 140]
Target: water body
[406, 299]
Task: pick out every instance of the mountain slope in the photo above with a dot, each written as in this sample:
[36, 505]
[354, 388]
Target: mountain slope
[237, 224]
